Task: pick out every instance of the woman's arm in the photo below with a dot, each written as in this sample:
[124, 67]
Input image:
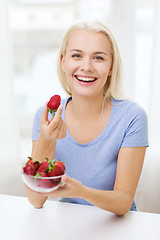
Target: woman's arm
[129, 167]
[44, 148]
[35, 198]
[118, 201]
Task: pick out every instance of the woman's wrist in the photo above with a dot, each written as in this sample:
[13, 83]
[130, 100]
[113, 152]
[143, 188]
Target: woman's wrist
[83, 192]
[45, 149]
[46, 141]
[35, 199]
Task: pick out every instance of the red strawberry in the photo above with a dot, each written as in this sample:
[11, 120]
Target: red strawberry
[29, 169]
[62, 164]
[57, 170]
[45, 183]
[44, 174]
[53, 104]
[34, 162]
[29, 161]
[43, 167]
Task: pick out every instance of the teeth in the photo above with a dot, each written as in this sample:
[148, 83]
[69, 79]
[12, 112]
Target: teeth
[86, 79]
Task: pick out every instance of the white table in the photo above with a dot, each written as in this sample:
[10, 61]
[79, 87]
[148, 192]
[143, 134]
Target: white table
[19, 220]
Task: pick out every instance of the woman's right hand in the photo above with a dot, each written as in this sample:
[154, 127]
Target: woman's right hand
[53, 129]
[44, 148]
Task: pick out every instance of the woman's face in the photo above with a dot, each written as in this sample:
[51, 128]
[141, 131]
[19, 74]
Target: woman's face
[87, 62]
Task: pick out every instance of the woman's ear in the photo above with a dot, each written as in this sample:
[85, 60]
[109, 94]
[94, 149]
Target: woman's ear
[110, 71]
[63, 62]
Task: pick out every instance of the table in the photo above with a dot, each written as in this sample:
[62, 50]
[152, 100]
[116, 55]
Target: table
[19, 220]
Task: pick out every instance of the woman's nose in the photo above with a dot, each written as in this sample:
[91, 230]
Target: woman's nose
[86, 65]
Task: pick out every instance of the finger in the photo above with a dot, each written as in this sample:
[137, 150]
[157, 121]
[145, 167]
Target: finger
[63, 131]
[60, 123]
[59, 112]
[53, 194]
[59, 129]
[44, 117]
[66, 179]
[56, 120]
[56, 127]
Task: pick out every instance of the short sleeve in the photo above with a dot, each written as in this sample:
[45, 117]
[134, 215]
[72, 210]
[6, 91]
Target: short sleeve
[36, 124]
[136, 127]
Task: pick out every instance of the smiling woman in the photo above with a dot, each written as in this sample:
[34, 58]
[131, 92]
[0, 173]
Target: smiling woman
[102, 138]
[88, 65]
[85, 64]
[96, 52]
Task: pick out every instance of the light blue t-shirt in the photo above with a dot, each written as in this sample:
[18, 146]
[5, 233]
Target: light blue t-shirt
[94, 163]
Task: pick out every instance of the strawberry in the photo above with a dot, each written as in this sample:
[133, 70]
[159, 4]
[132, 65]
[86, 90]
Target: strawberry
[61, 163]
[53, 104]
[44, 174]
[34, 162]
[43, 167]
[29, 161]
[29, 169]
[56, 170]
[45, 183]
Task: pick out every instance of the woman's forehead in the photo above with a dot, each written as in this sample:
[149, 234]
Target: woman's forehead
[82, 38]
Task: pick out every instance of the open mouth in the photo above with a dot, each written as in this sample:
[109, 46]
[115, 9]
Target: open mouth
[85, 79]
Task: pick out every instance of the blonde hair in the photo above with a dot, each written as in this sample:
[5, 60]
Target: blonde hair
[113, 84]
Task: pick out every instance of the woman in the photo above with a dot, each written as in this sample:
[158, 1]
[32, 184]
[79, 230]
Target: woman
[100, 137]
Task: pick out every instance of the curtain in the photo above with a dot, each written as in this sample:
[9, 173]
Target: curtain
[154, 97]
[8, 124]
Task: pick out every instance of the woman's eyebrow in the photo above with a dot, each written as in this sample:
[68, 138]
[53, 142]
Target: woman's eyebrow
[100, 53]
[77, 50]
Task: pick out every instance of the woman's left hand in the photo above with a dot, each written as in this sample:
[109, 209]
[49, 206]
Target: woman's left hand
[69, 188]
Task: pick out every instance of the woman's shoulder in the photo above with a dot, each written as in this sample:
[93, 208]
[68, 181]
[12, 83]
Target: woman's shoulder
[132, 119]
[127, 105]
[129, 110]
[132, 113]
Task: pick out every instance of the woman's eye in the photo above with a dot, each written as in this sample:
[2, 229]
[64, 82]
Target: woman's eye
[98, 58]
[76, 56]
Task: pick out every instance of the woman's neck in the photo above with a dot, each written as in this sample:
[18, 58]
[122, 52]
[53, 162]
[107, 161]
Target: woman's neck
[89, 108]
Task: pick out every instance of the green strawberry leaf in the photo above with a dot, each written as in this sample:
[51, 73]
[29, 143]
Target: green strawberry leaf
[34, 160]
[52, 111]
[38, 175]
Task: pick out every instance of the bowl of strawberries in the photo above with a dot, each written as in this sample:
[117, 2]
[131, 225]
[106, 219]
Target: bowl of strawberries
[43, 176]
